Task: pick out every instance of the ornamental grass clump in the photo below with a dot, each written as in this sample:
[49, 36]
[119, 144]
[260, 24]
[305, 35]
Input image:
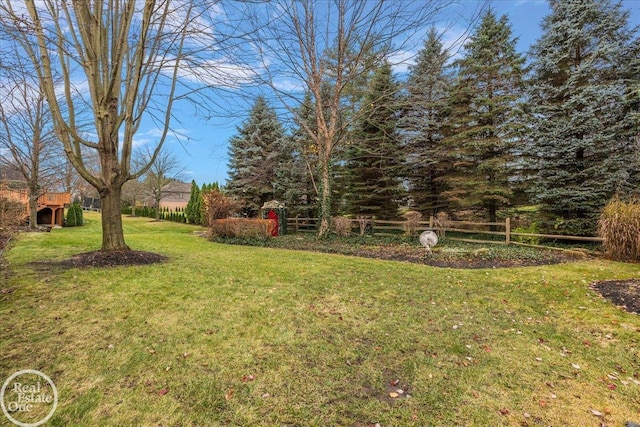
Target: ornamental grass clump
[341, 226]
[412, 223]
[619, 226]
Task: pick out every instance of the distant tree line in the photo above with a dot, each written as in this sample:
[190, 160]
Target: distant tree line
[478, 132]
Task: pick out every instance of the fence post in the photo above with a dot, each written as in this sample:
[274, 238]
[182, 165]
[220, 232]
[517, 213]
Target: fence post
[431, 222]
[507, 229]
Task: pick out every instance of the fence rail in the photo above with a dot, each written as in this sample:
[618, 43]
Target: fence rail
[380, 227]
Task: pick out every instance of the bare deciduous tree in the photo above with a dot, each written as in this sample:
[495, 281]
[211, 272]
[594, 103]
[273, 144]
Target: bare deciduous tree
[120, 61]
[323, 47]
[165, 169]
[27, 140]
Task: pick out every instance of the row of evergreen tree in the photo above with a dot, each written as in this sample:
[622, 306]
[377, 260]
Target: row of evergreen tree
[165, 214]
[491, 129]
[195, 212]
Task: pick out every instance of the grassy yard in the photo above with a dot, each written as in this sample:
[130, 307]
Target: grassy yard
[233, 335]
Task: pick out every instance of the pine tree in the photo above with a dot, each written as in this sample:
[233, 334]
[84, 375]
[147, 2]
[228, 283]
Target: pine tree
[584, 111]
[194, 204]
[485, 119]
[373, 159]
[254, 155]
[421, 126]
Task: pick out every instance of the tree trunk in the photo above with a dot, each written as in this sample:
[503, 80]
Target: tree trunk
[112, 232]
[157, 209]
[325, 199]
[33, 205]
[493, 216]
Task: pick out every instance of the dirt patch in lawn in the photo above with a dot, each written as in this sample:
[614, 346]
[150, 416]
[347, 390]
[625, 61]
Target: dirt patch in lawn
[104, 259]
[623, 293]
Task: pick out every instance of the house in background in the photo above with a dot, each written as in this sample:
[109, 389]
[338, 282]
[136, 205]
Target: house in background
[50, 205]
[175, 195]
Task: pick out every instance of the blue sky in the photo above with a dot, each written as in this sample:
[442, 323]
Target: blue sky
[202, 149]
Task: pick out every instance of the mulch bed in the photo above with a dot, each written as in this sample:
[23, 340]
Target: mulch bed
[623, 293]
[105, 259]
[419, 256]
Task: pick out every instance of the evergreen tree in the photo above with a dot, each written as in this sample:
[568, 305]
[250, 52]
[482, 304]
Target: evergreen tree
[72, 219]
[584, 111]
[485, 119]
[254, 155]
[74, 215]
[194, 205]
[421, 126]
[79, 214]
[373, 158]
[301, 194]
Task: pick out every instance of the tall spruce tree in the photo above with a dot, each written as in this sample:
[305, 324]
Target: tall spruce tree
[584, 111]
[373, 160]
[485, 120]
[425, 107]
[254, 157]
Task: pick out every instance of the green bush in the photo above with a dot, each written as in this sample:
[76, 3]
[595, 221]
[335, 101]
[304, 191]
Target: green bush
[72, 219]
[619, 226]
[74, 215]
[532, 228]
[79, 214]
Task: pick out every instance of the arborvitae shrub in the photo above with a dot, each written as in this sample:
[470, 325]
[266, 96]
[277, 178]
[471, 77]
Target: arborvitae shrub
[79, 214]
[72, 219]
[619, 226]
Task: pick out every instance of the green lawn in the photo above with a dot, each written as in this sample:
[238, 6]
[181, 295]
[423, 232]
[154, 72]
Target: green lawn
[233, 335]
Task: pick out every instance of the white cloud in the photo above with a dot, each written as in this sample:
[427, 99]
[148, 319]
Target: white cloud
[214, 72]
[288, 85]
[402, 60]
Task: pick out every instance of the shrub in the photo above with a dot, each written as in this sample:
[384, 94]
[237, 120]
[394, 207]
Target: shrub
[72, 218]
[341, 226]
[365, 224]
[74, 215]
[412, 223]
[11, 214]
[79, 214]
[619, 226]
[441, 223]
[242, 227]
[219, 206]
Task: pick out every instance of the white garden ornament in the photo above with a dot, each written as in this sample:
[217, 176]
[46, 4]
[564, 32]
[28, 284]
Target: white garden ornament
[428, 239]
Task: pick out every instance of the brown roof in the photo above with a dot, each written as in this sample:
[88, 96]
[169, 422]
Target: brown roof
[177, 187]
